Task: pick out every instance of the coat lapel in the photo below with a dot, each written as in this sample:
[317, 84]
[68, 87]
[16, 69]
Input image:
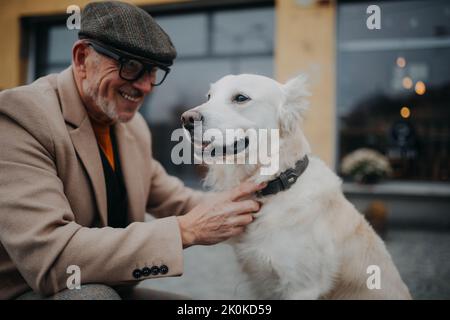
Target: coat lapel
[83, 138]
[129, 154]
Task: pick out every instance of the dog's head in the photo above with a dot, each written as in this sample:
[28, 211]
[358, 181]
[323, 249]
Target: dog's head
[249, 102]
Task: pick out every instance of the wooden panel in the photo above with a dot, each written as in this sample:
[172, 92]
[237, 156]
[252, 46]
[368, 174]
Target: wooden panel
[305, 42]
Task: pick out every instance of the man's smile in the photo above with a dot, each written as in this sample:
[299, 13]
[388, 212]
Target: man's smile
[132, 95]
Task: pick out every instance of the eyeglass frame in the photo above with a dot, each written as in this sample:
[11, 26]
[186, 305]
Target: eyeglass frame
[147, 66]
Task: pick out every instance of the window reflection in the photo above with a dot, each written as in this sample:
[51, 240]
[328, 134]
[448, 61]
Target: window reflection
[243, 31]
[394, 86]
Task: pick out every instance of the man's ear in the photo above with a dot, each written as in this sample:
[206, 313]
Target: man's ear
[295, 104]
[79, 53]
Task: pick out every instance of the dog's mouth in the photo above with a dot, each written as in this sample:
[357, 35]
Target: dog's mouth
[236, 147]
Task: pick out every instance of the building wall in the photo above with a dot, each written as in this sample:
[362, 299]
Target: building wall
[305, 39]
[305, 42]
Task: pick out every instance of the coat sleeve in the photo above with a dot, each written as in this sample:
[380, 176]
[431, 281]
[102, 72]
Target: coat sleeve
[39, 231]
[168, 195]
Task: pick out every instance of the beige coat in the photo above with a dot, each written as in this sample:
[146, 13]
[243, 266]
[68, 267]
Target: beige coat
[53, 197]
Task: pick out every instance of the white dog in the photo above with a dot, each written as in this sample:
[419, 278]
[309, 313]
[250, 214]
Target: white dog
[308, 241]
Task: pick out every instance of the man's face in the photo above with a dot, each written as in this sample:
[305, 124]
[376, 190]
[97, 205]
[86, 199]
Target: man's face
[109, 97]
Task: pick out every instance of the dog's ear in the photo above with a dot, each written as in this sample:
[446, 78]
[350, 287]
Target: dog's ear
[295, 103]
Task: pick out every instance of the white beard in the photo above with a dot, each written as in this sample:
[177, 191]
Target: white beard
[109, 108]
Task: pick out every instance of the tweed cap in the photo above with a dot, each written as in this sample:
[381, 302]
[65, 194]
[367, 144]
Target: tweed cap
[127, 28]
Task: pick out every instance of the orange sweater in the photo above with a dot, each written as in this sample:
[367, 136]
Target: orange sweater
[102, 133]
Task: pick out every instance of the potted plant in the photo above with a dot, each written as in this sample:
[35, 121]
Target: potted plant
[365, 166]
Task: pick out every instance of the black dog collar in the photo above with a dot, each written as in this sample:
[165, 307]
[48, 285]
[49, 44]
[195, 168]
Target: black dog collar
[285, 180]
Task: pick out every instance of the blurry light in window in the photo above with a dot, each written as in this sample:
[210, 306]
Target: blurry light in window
[401, 62]
[407, 83]
[420, 88]
[405, 112]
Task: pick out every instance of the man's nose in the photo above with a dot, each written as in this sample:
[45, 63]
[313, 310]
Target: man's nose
[144, 83]
[189, 117]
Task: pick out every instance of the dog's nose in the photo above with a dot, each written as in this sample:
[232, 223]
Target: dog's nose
[189, 117]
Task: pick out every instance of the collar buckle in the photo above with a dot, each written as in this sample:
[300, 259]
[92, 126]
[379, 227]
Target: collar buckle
[288, 178]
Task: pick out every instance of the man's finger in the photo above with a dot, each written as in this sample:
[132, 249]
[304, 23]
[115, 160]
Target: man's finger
[246, 189]
[241, 220]
[236, 231]
[243, 206]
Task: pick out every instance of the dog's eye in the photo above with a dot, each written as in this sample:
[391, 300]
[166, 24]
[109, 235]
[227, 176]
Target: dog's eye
[240, 98]
[208, 96]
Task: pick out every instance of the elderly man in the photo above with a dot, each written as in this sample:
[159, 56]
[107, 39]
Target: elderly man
[77, 174]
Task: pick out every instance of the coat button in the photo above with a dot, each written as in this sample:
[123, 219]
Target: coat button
[146, 271]
[164, 269]
[137, 273]
[154, 270]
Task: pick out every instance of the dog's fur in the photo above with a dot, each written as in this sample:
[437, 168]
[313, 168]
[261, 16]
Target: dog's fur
[307, 242]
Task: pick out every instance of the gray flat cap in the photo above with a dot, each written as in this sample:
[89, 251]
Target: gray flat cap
[127, 28]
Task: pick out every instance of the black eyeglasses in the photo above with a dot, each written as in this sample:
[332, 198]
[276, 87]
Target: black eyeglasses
[132, 69]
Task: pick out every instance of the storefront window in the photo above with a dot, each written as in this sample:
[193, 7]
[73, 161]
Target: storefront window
[393, 86]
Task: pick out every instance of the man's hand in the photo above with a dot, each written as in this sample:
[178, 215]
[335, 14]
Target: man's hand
[220, 217]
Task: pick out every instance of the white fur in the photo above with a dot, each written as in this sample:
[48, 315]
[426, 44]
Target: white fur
[307, 242]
